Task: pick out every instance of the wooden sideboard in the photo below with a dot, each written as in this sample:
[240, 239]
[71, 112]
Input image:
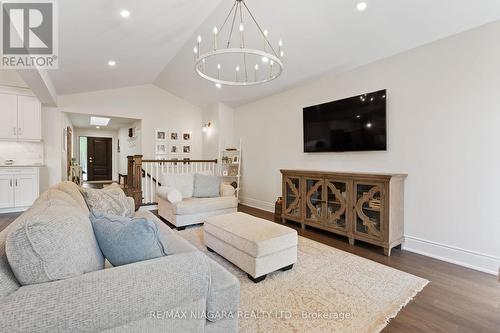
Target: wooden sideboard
[361, 206]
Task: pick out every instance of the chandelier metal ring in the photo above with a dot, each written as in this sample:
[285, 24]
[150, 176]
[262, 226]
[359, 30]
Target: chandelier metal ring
[210, 65]
[277, 61]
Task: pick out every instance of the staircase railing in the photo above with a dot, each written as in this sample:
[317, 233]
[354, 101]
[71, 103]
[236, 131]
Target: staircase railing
[144, 176]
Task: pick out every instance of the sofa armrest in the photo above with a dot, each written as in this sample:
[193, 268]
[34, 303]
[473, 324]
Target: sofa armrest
[170, 194]
[223, 293]
[107, 298]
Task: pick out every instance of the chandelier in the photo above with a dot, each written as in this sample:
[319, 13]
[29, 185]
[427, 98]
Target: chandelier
[231, 61]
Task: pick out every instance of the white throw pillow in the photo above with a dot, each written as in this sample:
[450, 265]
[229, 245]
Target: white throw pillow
[184, 183]
[227, 190]
[171, 194]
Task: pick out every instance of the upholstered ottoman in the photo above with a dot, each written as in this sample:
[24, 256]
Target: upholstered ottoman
[255, 245]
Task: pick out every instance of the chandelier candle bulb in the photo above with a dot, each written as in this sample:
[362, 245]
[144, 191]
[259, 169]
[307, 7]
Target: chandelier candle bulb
[216, 32]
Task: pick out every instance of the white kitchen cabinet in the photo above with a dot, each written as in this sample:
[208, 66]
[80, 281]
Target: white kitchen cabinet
[6, 191]
[8, 124]
[19, 188]
[25, 190]
[21, 116]
[29, 118]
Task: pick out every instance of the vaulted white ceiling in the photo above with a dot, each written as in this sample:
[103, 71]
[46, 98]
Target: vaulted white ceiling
[320, 36]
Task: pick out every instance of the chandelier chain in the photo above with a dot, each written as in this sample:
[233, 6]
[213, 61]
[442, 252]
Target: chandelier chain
[232, 27]
[260, 29]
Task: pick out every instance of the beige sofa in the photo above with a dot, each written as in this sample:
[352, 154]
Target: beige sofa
[191, 211]
[139, 297]
[178, 205]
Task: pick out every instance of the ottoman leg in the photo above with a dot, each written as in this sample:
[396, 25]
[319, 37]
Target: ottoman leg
[257, 280]
[180, 228]
[209, 249]
[287, 268]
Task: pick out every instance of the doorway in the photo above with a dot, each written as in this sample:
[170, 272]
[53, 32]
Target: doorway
[96, 158]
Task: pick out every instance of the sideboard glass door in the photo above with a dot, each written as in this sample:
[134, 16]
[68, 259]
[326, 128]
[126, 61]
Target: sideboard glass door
[369, 209]
[293, 199]
[336, 204]
[314, 200]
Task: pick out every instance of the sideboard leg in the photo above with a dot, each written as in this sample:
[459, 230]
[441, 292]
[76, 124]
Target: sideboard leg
[303, 226]
[351, 241]
[387, 251]
[283, 220]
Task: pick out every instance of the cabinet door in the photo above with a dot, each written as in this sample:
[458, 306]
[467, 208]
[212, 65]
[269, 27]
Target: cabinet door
[337, 212]
[8, 109]
[292, 197]
[29, 118]
[26, 190]
[314, 200]
[369, 209]
[6, 191]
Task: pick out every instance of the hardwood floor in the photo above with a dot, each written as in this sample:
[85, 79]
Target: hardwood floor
[457, 300]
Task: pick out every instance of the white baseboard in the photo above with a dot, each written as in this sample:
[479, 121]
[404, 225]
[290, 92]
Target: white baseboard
[479, 261]
[458, 256]
[13, 210]
[268, 207]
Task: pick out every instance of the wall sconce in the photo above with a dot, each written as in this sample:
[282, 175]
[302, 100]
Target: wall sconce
[206, 127]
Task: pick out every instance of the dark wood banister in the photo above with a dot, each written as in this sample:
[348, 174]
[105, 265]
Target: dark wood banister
[180, 161]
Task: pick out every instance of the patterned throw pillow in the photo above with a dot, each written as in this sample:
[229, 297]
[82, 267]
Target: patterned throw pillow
[124, 240]
[110, 200]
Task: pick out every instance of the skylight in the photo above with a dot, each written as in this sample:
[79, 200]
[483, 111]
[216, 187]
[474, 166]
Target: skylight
[99, 121]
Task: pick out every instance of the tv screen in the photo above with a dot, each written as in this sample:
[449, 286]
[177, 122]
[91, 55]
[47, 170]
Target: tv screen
[352, 124]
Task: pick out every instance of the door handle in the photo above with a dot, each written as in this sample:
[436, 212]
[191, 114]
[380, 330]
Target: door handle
[16, 182]
[19, 130]
[10, 182]
[15, 131]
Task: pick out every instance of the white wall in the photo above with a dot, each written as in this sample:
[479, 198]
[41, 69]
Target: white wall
[154, 106]
[220, 135]
[10, 77]
[443, 130]
[128, 146]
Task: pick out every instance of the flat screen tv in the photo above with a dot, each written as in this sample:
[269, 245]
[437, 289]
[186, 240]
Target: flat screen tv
[353, 124]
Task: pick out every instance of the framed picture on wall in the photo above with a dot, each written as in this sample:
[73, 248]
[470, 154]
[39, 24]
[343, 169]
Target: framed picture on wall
[161, 135]
[175, 149]
[186, 136]
[173, 135]
[161, 148]
[186, 149]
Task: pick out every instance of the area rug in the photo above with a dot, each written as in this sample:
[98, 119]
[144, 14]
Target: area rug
[328, 290]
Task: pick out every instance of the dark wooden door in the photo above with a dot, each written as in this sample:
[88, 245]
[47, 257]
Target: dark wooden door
[99, 159]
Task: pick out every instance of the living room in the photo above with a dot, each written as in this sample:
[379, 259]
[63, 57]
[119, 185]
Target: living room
[265, 167]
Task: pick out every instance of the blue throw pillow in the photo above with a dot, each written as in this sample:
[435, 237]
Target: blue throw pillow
[125, 240]
[206, 186]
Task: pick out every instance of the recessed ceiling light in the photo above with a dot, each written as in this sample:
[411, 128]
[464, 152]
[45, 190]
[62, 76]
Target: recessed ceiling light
[218, 85]
[361, 6]
[99, 121]
[112, 63]
[369, 125]
[125, 13]
[98, 127]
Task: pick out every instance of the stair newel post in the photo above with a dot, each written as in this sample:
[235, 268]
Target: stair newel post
[137, 180]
